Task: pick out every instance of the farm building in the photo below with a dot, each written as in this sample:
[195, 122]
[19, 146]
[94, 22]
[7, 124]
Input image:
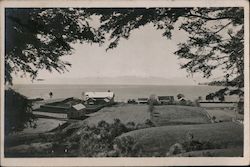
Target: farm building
[77, 111]
[59, 105]
[142, 100]
[92, 98]
[166, 99]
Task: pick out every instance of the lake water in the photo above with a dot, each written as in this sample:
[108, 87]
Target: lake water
[122, 92]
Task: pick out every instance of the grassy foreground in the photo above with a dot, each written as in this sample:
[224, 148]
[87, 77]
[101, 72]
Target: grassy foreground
[229, 152]
[126, 130]
[160, 139]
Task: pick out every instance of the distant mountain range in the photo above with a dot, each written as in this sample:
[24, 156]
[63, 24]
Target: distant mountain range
[126, 80]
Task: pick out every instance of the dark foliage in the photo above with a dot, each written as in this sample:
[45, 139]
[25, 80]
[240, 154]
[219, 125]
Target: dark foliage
[17, 112]
[216, 37]
[149, 123]
[121, 21]
[216, 41]
[127, 147]
[132, 101]
[104, 140]
[36, 39]
[100, 140]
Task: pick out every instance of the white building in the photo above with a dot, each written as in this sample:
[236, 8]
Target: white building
[99, 97]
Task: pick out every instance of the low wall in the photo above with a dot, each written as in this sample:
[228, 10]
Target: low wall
[55, 109]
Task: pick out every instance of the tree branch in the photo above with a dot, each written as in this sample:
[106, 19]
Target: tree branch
[223, 27]
[207, 18]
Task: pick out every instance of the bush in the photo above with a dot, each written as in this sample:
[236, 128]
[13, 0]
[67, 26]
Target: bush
[17, 112]
[131, 126]
[127, 147]
[177, 148]
[101, 140]
[190, 144]
[132, 101]
[98, 140]
[149, 123]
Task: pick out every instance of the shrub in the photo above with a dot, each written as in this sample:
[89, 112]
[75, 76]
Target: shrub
[102, 141]
[190, 144]
[131, 101]
[98, 140]
[149, 123]
[17, 112]
[127, 147]
[131, 126]
[213, 119]
[177, 148]
[92, 142]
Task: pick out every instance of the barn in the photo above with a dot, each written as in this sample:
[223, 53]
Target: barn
[77, 111]
[166, 99]
[97, 98]
[142, 100]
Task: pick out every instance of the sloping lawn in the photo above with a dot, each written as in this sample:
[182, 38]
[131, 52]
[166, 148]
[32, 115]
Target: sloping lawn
[43, 125]
[230, 152]
[126, 113]
[162, 115]
[224, 115]
[174, 114]
[159, 139]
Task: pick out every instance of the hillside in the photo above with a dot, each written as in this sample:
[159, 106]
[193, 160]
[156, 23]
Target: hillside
[160, 139]
[163, 115]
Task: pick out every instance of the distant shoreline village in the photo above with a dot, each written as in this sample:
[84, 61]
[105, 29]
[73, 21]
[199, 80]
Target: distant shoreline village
[90, 102]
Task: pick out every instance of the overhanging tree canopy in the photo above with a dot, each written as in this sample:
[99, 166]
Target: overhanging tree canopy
[215, 38]
[37, 38]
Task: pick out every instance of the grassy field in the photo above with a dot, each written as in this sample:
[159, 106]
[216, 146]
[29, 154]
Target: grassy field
[174, 114]
[43, 125]
[124, 112]
[224, 115]
[49, 114]
[229, 152]
[172, 122]
[163, 115]
[159, 139]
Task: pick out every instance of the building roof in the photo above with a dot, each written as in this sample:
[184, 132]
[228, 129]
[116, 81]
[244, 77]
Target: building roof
[109, 95]
[79, 106]
[106, 100]
[165, 97]
[142, 99]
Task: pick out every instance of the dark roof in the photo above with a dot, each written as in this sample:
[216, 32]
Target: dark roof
[143, 99]
[165, 97]
[79, 106]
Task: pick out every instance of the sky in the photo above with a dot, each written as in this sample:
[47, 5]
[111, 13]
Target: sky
[145, 54]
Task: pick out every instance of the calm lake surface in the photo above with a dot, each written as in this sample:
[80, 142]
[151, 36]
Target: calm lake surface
[122, 92]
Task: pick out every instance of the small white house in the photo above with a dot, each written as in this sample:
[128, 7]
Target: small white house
[142, 100]
[109, 95]
[99, 97]
[166, 99]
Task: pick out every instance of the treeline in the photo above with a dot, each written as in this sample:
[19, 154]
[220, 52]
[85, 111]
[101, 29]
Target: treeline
[214, 83]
